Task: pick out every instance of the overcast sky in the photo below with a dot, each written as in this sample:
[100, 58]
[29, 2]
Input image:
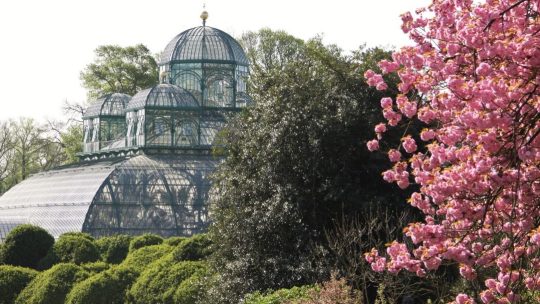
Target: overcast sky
[45, 44]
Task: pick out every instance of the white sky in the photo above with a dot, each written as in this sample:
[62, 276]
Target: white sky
[45, 44]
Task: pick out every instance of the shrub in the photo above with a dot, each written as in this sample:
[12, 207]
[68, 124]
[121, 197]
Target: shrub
[145, 240]
[26, 245]
[52, 286]
[281, 296]
[95, 267]
[13, 279]
[174, 240]
[114, 249]
[193, 249]
[107, 287]
[71, 249]
[192, 290]
[77, 234]
[142, 257]
[158, 283]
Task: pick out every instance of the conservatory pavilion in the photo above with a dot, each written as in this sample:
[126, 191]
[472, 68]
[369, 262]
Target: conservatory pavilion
[146, 158]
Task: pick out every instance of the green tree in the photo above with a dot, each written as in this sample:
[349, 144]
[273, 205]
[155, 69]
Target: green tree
[294, 163]
[120, 70]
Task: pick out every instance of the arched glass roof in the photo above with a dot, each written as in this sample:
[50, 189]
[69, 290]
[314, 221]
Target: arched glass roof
[108, 105]
[165, 195]
[162, 96]
[204, 43]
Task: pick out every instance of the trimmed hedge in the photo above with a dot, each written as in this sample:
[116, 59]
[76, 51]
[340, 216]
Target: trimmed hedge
[25, 246]
[13, 279]
[108, 287]
[96, 267]
[52, 286]
[193, 249]
[114, 249]
[158, 283]
[193, 289]
[77, 234]
[145, 240]
[174, 240]
[142, 257]
[71, 249]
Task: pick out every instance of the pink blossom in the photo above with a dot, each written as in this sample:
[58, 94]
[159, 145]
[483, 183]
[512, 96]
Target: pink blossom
[464, 299]
[386, 102]
[394, 155]
[388, 66]
[380, 128]
[373, 145]
[409, 144]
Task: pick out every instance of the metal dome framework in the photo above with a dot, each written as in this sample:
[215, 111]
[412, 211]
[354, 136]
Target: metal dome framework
[210, 64]
[104, 124]
[165, 195]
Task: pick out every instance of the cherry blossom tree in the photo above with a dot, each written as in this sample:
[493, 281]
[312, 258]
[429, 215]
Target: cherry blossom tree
[472, 77]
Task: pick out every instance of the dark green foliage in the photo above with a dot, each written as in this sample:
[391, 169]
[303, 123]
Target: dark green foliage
[158, 282]
[142, 257]
[114, 249]
[108, 287]
[76, 249]
[175, 240]
[95, 267]
[13, 280]
[296, 162]
[120, 70]
[145, 240]
[281, 296]
[193, 249]
[52, 286]
[25, 246]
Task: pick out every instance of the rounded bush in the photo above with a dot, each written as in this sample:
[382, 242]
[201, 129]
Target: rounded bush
[13, 279]
[52, 286]
[142, 257]
[25, 246]
[158, 283]
[114, 249]
[145, 240]
[95, 267]
[71, 249]
[193, 249]
[77, 234]
[107, 287]
[192, 289]
[174, 240]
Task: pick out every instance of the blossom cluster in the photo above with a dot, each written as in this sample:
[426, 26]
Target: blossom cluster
[472, 78]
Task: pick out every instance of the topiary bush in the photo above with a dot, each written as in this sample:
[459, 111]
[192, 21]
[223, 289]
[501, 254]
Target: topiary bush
[71, 249]
[25, 246]
[142, 257]
[174, 240]
[52, 286]
[13, 279]
[193, 289]
[193, 249]
[158, 283]
[114, 249]
[77, 234]
[95, 267]
[145, 240]
[107, 287]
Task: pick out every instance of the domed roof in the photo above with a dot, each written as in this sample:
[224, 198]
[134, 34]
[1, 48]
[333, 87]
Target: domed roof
[204, 43]
[112, 104]
[162, 96]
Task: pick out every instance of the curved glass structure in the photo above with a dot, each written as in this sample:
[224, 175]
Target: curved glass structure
[210, 64]
[146, 159]
[165, 195]
[104, 123]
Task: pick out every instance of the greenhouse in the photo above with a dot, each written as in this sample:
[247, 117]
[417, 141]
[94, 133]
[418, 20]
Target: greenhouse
[146, 158]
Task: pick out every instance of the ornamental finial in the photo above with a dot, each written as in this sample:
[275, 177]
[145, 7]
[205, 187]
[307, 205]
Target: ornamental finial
[204, 15]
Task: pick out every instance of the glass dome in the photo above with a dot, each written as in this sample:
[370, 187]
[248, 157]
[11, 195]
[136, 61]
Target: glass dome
[204, 43]
[162, 96]
[165, 195]
[104, 124]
